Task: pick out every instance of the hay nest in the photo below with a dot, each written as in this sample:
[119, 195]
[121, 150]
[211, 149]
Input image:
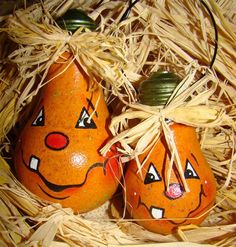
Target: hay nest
[175, 35]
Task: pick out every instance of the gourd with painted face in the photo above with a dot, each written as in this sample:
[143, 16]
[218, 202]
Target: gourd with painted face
[57, 156]
[161, 209]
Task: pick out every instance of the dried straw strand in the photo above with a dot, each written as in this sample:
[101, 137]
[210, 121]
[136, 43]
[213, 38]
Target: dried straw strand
[163, 34]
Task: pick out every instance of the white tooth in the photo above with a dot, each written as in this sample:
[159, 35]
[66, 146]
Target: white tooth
[157, 213]
[34, 162]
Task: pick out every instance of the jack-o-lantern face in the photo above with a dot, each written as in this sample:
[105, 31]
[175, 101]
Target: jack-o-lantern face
[160, 209]
[57, 156]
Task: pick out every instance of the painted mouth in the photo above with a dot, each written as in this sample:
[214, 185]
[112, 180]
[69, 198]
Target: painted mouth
[155, 212]
[34, 164]
[159, 213]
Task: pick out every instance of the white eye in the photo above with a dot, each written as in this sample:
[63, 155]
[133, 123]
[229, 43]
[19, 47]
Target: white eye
[39, 120]
[152, 175]
[84, 121]
[189, 171]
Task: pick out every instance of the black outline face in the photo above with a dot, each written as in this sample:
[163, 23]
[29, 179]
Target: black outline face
[84, 122]
[54, 187]
[152, 176]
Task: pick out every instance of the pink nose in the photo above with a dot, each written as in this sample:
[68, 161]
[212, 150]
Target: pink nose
[56, 141]
[175, 191]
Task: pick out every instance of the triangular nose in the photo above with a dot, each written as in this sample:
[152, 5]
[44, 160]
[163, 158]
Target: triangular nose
[56, 141]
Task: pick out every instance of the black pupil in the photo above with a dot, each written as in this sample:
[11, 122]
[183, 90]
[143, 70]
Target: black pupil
[149, 178]
[86, 122]
[188, 173]
[39, 120]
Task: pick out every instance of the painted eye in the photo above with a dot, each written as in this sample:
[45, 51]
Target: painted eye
[84, 121]
[189, 171]
[152, 175]
[39, 120]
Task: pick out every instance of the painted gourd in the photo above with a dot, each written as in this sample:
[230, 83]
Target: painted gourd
[162, 210]
[57, 156]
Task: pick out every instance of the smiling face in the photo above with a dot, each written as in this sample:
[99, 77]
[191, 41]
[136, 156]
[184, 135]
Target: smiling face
[164, 210]
[57, 156]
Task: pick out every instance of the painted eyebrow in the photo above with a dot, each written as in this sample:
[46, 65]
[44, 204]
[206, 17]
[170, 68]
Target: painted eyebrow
[194, 158]
[90, 104]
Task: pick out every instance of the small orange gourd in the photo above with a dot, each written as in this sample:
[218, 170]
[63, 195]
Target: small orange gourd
[161, 209]
[57, 156]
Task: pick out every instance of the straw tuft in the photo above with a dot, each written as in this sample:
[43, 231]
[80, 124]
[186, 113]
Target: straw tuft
[169, 35]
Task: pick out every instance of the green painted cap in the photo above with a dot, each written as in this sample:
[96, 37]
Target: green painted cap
[157, 89]
[75, 18]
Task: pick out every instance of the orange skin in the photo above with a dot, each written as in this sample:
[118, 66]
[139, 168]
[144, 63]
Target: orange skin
[148, 200]
[57, 156]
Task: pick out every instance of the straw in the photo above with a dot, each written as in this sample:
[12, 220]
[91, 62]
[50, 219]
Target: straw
[169, 35]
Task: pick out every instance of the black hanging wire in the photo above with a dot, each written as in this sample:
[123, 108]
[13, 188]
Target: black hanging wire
[216, 38]
[127, 12]
[98, 4]
[216, 32]
[131, 5]
[126, 15]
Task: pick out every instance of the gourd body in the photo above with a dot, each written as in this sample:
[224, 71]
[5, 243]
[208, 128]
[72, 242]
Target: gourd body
[161, 209]
[57, 156]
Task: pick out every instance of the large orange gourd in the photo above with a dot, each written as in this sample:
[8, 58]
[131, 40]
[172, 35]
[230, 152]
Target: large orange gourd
[57, 156]
[150, 201]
